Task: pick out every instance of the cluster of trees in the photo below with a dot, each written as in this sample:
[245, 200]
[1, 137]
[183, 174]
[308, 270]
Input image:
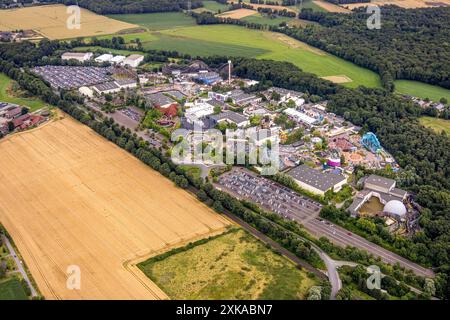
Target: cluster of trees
[131, 6]
[411, 44]
[358, 276]
[347, 1]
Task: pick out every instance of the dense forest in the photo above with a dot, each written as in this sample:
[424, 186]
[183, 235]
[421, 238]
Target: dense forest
[411, 44]
[125, 6]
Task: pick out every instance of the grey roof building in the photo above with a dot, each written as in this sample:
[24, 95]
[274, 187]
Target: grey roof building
[316, 181]
[159, 99]
[376, 186]
[379, 183]
[106, 87]
[230, 117]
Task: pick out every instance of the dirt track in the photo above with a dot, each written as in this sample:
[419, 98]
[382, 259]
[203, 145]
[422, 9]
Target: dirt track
[69, 197]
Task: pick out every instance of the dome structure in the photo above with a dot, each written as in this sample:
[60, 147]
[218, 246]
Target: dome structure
[395, 207]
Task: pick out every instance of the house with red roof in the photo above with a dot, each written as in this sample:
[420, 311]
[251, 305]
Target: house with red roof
[169, 111]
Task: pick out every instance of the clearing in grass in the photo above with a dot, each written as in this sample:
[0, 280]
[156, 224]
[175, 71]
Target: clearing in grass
[11, 92]
[51, 22]
[238, 13]
[338, 79]
[436, 124]
[234, 265]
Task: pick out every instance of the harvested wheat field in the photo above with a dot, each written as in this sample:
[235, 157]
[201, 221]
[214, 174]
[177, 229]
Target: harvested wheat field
[70, 197]
[407, 4]
[238, 13]
[51, 22]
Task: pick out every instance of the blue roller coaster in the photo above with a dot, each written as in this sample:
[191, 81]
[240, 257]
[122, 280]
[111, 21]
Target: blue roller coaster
[370, 141]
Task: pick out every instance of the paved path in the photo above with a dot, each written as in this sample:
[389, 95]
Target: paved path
[19, 265]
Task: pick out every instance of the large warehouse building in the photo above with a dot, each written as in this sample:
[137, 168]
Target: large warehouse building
[316, 181]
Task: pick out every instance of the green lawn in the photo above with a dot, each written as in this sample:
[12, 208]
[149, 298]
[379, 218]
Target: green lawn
[422, 90]
[5, 84]
[238, 41]
[234, 265]
[11, 289]
[436, 124]
[212, 6]
[157, 21]
[310, 60]
[229, 40]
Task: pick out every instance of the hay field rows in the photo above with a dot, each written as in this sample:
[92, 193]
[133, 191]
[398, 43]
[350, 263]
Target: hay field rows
[69, 197]
[51, 22]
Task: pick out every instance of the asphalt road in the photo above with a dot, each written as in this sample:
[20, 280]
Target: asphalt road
[343, 237]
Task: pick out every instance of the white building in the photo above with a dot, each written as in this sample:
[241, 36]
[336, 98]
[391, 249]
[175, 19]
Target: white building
[133, 60]
[104, 58]
[316, 181]
[106, 87]
[118, 59]
[197, 111]
[300, 116]
[127, 83]
[79, 56]
[85, 91]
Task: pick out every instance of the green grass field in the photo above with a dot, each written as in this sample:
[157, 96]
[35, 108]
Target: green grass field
[238, 41]
[212, 6]
[233, 265]
[5, 84]
[422, 90]
[436, 124]
[11, 289]
[308, 4]
[157, 21]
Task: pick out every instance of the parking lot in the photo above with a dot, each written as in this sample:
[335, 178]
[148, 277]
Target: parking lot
[132, 114]
[270, 195]
[70, 77]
